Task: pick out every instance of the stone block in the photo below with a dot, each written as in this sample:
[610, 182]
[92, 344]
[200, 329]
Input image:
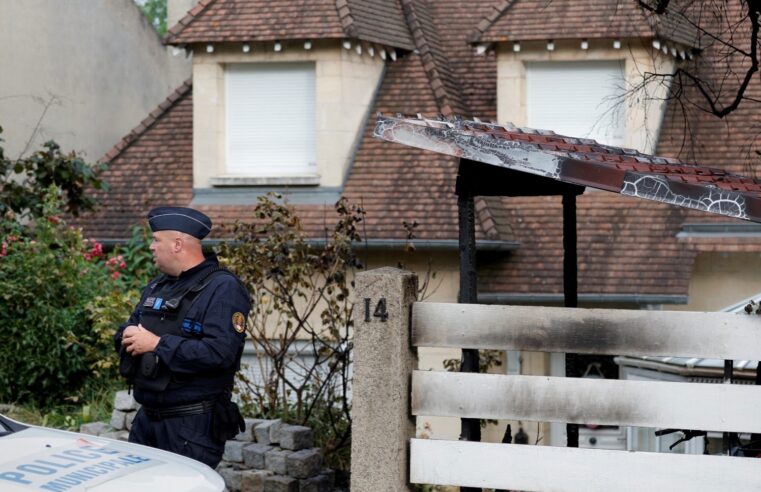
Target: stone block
[279, 483]
[319, 483]
[253, 480]
[275, 460]
[125, 402]
[296, 437]
[268, 432]
[248, 434]
[232, 478]
[118, 420]
[233, 451]
[94, 428]
[253, 454]
[128, 421]
[305, 463]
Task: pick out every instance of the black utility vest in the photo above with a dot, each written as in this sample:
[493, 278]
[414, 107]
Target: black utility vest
[163, 312]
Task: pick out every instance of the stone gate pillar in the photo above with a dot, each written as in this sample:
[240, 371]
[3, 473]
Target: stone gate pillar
[382, 424]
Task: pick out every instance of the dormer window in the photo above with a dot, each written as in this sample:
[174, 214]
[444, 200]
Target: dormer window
[582, 99]
[270, 119]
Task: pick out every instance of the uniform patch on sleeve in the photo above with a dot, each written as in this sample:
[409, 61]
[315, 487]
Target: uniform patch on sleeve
[239, 322]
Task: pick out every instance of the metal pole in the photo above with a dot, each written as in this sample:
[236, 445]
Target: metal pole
[570, 293]
[470, 428]
[755, 439]
[728, 365]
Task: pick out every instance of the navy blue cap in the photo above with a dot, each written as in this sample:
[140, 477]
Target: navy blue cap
[180, 219]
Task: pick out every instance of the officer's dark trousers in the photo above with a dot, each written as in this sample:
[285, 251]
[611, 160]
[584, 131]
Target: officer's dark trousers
[189, 436]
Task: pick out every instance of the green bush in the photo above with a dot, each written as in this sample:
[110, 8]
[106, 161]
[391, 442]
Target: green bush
[49, 274]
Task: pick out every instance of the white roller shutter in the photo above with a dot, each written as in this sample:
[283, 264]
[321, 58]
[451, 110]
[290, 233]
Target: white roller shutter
[578, 99]
[270, 119]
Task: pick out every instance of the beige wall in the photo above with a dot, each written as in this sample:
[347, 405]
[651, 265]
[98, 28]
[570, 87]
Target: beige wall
[87, 71]
[345, 86]
[176, 10]
[644, 109]
[721, 279]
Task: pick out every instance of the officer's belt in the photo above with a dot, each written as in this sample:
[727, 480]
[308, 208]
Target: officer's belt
[179, 410]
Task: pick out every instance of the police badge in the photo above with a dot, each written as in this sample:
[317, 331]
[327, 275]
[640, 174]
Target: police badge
[239, 322]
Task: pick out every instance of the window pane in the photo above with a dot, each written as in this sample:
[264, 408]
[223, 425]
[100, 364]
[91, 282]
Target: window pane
[578, 99]
[270, 119]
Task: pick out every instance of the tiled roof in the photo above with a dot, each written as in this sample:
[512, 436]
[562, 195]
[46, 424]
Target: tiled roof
[526, 20]
[374, 21]
[626, 245]
[395, 183]
[446, 88]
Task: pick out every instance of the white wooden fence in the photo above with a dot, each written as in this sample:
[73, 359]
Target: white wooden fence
[711, 407]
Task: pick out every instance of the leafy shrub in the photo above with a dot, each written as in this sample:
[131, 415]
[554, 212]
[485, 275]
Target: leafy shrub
[300, 323]
[48, 275]
[24, 183]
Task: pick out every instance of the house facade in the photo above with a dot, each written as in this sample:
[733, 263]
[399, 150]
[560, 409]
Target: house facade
[99, 68]
[283, 97]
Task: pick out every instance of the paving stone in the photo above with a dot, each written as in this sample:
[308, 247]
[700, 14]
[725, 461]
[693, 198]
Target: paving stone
[305, 463]
[94, 428]
[248, 434]
[275, 460]
[320, 483]
[296, 437]
[268, 432]
[253, 454]
[279, 483]
[232, 478]
[118, 420]
[253, 480]
[125, 402]
[233, 451]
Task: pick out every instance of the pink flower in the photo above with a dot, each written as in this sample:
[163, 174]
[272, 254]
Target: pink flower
[115, 275]
[4, 249]
[122, 266]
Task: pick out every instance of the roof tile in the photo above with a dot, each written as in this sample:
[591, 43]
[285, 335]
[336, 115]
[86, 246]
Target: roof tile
[374, 21]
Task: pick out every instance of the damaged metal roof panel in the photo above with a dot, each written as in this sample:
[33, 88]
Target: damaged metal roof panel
[582, 162]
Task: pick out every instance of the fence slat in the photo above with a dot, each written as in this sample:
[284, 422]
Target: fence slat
[588, 331]
[714, 407]
[523, 467]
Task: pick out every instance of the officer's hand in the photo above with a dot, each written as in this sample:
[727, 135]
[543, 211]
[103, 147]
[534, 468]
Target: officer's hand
[129, 331]
[139, 340]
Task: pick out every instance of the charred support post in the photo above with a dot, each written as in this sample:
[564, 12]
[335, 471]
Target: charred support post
[570, 293]
[466, 212]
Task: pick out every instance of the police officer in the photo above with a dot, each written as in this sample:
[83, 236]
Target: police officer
[182, 345]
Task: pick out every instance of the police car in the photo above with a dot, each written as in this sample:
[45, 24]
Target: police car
[37, 458]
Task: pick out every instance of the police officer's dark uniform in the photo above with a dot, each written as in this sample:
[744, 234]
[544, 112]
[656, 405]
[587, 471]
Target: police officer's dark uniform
[185, 385]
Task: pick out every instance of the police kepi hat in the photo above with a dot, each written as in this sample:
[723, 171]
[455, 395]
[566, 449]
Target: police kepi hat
[181, 219]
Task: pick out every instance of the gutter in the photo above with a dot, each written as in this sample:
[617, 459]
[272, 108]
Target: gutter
[376, 244]
[719, 230]
[510, 298]
[684, 371]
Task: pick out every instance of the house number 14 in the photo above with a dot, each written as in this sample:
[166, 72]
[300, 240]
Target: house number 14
[379, 312]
